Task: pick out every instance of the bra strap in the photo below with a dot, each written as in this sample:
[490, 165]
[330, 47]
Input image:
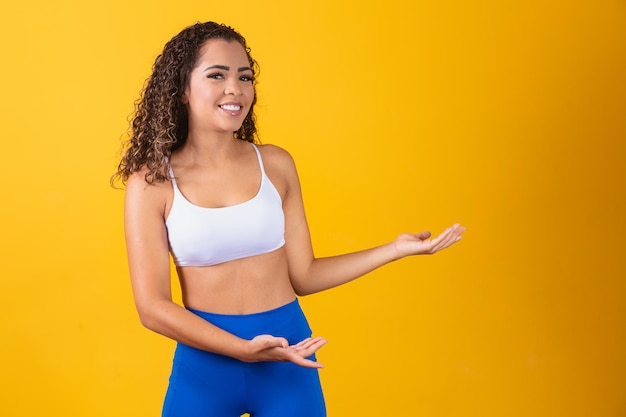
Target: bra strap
[258, 154]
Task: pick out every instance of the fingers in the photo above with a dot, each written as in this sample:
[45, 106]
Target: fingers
[306, 363]
[267, 341]
[300, 357]
[309, 343]
[423, 235]
[299, 352]
[270, 348]
[448, 237]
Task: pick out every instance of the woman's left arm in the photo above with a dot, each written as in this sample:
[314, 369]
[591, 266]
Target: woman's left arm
[310, 274]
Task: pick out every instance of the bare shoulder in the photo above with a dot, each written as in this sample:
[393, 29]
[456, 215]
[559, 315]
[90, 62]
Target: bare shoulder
[274, 152]
[277, 159]
[140, 193]
[137, 182]
[280, 168]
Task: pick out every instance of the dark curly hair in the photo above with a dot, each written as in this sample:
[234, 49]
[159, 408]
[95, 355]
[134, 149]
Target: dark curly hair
[159, 124]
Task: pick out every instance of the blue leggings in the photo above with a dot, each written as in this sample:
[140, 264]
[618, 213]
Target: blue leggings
[204, 384]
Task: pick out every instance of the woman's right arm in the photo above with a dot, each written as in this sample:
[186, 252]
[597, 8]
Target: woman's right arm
[149, 264]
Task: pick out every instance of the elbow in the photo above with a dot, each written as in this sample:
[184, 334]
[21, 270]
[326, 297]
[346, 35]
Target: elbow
[297, 287]
[147, 321]
[149, 317]
[300, 293]
[300, 289]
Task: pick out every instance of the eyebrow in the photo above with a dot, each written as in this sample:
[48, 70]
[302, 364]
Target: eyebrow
[227, 68]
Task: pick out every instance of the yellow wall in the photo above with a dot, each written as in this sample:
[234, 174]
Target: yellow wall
[507, 116]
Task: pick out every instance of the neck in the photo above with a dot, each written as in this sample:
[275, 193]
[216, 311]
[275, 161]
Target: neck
[210, 148]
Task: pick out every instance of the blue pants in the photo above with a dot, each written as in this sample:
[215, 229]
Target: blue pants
[204, 384]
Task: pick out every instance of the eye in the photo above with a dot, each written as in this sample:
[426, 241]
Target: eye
[216, 76]
[247, 78]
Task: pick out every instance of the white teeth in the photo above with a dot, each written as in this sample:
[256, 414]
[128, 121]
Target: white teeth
[230, 107]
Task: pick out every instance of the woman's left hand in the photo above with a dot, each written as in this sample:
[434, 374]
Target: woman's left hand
[420, 243]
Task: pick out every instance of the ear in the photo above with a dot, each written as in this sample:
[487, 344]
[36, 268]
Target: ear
[184, 99]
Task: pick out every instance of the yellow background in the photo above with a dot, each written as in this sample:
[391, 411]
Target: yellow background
[507, 116]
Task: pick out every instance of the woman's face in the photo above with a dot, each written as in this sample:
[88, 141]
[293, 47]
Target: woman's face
[220, 91]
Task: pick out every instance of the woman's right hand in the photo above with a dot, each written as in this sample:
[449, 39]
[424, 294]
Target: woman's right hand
[267, 348]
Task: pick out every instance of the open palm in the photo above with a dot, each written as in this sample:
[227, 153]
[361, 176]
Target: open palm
[420, 243]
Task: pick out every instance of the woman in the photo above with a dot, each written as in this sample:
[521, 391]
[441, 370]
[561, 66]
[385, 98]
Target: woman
[231, 214]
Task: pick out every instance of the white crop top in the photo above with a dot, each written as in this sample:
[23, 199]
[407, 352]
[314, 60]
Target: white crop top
[201, 236]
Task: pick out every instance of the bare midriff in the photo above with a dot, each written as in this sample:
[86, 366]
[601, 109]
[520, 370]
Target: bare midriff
[242, 286]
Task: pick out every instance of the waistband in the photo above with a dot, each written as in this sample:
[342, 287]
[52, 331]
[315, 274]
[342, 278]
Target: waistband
[241, 324]
[295, 304]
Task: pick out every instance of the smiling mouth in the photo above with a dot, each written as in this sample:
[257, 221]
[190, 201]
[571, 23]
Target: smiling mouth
[230, 107]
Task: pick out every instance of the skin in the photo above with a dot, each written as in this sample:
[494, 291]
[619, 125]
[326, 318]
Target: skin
[215, 170]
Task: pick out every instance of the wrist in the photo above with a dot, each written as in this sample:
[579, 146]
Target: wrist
[242, 351]
[392, 252]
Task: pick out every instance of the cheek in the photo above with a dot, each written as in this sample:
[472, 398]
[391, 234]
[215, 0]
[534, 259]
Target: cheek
[202, 96]
[251, 92]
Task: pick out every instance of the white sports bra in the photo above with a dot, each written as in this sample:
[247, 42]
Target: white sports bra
[201, 236]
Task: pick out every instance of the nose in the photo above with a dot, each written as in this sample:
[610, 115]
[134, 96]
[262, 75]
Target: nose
[232, 88]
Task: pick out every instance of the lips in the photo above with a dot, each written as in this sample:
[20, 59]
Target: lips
[230, 107]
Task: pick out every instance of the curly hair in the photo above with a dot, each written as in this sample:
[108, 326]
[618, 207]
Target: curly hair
[159, 123]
